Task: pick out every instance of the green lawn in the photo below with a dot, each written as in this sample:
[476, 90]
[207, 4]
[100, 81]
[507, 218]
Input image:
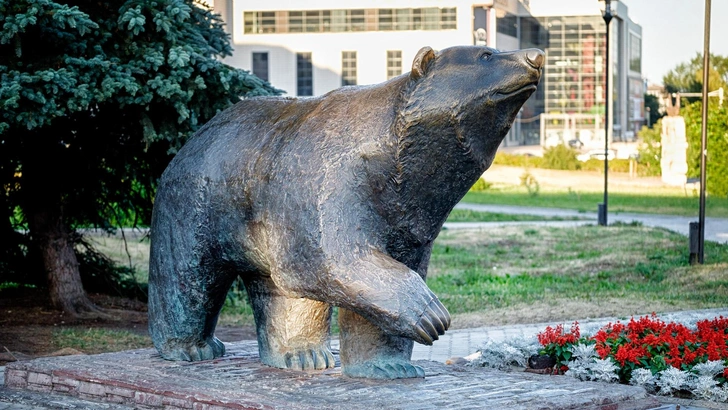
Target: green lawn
[591, 270]
[467, 215]
[685, 205]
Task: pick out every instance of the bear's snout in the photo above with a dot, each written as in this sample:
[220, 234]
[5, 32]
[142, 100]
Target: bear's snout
[534, 57]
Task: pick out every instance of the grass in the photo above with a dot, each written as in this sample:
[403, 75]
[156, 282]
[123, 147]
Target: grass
[638, 202]
[98, 340]
[467, 215]
[527, 274]
[588, 270]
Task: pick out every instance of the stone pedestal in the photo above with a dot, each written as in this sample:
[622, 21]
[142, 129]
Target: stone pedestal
[141, 379]
[674, 151]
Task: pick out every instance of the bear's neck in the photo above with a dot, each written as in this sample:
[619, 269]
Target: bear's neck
[434, 167]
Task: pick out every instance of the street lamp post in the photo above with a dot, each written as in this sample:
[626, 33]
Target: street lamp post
[704, 133]
[602, 208]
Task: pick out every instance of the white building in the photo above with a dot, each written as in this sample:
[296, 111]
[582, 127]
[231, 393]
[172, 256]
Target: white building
[310, 48]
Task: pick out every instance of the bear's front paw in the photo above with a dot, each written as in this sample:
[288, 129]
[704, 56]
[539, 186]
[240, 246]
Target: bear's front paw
[434, 322]
[391, 369]
[205, 350]
[309, 359]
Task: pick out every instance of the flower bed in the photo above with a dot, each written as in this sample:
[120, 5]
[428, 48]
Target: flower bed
[665, 358]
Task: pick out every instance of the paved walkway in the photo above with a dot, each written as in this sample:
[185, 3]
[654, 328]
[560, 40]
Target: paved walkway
[716, 229]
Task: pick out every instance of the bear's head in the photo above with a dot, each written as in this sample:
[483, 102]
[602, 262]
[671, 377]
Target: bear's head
[468, 95]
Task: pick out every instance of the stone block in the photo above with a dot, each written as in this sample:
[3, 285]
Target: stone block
[40, 378]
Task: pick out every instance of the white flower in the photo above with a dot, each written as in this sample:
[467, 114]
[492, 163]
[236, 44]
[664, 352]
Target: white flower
[709, 368]
[672, 380]
[642, 377]
[502, 355]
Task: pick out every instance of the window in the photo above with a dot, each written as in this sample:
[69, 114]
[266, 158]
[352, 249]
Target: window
[448, 19]
[343, 20]
[394, 63]
[348, 68]
[258, 22]
[260, 65]
[304, 75]
[507, 25]
[385, 20]
[635, 53]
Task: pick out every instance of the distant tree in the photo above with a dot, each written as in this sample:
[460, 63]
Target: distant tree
[95, 97]
[716, 166]
[688, 77]
[652, 108]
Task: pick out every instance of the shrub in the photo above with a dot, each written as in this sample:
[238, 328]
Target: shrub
[531, 184]
[560, 157]
[513, 160]
[717, 164]
[615, 165]
[480, 185]
[650, 150]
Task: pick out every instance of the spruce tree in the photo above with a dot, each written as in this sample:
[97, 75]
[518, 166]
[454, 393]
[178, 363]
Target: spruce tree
[95, 98]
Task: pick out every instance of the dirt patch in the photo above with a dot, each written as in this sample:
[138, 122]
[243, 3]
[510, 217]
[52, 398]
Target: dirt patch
[28, 323]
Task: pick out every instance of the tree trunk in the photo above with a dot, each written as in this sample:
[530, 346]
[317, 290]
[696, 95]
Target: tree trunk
[55, 247]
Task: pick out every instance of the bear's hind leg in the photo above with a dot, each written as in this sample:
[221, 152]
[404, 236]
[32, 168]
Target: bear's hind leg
[368, 352]
[183, 311]
[293, 333]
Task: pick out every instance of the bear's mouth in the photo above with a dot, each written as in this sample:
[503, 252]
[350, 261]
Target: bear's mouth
[515, 91]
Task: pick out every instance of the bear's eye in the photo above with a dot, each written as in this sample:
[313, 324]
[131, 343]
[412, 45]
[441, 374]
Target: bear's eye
[486, 55]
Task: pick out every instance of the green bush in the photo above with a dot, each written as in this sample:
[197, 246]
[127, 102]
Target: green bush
[717, 161]
[480, 185]
[650, 150]
[513, 160]
[560, 157]
[615, 165]
[531, 183]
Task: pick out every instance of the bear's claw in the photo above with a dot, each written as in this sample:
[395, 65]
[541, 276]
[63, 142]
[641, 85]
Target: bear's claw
[207, 350]
[310, 359]
[434, 321]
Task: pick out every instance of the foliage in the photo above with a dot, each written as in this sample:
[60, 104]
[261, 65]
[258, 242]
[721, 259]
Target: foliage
[650, 149]
[468, 215]
[100, 274]
[98, 340]
[653, 103]
[665, 358]
[561, 157]
[95, 97]
[526, 161]
[717, 159]
[688, 77]
[480, 185]
[529, 181]
[558, 344]
[526, 268]
[669, 202]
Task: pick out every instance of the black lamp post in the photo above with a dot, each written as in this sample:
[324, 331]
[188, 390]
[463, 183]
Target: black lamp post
[602, 208]
[704, 133]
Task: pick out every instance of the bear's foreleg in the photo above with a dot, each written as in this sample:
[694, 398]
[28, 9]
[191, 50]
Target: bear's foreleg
[293, 332]
[367, 351]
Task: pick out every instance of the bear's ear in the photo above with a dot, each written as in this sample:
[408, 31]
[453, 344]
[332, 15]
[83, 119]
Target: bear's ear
[422, 62]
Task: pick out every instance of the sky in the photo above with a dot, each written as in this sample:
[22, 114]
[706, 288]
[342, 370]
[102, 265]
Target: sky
[672, 32]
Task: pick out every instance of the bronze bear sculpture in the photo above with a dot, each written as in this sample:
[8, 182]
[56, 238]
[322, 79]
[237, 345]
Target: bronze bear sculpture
[329, 201]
